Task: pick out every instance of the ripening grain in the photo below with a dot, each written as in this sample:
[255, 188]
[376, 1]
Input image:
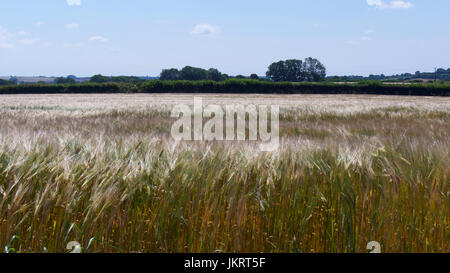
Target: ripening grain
[104, 171]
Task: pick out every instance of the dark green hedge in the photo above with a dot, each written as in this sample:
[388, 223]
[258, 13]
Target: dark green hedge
[263, 87]
[62, 88]
[234, 86]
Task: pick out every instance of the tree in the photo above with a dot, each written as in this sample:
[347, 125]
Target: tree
[314, 70]
[290, 70]
[170, 75]
[277, 71]
[294, 71]
[99, 79]
[190, 73]
[62, 80]
[214, 75]
[254, 77]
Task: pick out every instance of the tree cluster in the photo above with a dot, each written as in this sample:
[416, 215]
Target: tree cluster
[311, 70]
[190, 73]
[62, 80]
[119, 79]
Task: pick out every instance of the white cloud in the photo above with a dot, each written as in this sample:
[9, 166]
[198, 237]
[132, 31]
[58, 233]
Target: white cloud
[39, 23]
[380, 4]
[98, 39]
[73, 2]
[72, 26]
[205, 29]
[401, 5]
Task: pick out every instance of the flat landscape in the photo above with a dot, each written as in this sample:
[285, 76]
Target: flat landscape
[103, 170]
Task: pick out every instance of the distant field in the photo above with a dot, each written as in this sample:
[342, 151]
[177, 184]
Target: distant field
[103, 170]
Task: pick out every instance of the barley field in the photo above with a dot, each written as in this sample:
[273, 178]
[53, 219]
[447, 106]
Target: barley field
[103, 170]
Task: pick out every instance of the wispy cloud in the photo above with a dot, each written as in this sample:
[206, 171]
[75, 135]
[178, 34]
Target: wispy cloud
[39, 23]
[4, 39]
[366, 37]
[205, 29]
[73, 2]
[98, 39]
[380, 4]
[72, 26]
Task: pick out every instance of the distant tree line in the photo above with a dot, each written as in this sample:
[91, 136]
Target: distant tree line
[290, 71]
[119, 79]
[67, 80]
[440, 74]
[189, 73]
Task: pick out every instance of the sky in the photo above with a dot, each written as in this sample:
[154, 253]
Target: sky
[141, 37]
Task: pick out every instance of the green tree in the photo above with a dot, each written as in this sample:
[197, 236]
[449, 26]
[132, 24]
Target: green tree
[170, 75]
[289, 71]
[214, 75]
[190, 73]
[294, 71]
[277, 71]
[99, 79]
[62, 80]
[254, 77]
[314, 70]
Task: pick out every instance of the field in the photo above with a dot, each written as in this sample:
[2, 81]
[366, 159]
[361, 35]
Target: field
[103, 170]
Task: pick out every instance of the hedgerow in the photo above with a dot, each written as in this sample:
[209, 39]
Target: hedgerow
[239, 86]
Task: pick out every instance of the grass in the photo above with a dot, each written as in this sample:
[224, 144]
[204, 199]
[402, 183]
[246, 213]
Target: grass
[350, 171]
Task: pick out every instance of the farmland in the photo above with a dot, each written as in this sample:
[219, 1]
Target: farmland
[103, 170]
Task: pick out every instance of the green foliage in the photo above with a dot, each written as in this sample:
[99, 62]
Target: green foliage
[170, 75]
[66, 88]
[190, 73]
[235, 86]
[311, 70]
[370, 82]
[267, 87]
[62, 80]
[100, 79]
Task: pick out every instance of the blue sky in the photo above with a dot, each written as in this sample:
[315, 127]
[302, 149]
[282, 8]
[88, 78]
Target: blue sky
[140, 37]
